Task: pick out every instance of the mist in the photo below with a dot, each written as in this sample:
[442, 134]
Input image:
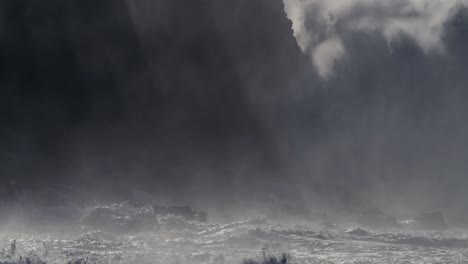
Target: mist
[208, 131]
[391, 76]
[349, 104]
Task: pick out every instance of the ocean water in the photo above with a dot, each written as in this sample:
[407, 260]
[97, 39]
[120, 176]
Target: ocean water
[134, 234]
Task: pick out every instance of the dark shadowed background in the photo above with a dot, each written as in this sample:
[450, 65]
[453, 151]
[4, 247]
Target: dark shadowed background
[215, 101]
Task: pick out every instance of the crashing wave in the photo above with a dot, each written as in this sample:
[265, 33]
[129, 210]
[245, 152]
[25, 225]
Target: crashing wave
[135, 217]
[356, 232]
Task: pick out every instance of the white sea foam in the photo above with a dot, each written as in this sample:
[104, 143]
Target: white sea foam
[176, 240]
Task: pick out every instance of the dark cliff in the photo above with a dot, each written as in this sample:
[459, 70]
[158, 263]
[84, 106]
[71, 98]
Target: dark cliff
[98, 90]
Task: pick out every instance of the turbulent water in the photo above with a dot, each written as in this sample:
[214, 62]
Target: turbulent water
[134, 234]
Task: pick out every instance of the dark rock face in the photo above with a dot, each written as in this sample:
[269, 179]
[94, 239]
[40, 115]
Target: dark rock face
[220, 68]
[155, 81]
[62, 66]
[67, 55]
[218, 64]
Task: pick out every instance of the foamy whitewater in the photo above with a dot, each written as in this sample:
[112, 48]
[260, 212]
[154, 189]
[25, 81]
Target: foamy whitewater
[134, 234]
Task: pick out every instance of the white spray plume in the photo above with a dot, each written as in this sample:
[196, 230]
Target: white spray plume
[319, 25]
